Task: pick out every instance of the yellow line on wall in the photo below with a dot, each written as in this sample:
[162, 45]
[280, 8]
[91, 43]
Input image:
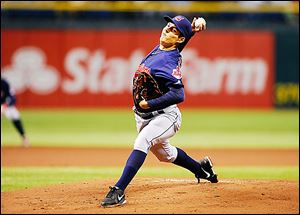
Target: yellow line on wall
[154, 6]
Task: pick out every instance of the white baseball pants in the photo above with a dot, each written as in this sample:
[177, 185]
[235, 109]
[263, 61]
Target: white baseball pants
[154, 133]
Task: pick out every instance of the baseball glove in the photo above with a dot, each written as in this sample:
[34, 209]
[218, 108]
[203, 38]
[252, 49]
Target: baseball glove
[144, 88]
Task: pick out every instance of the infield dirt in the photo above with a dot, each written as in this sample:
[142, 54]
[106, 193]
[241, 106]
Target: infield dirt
[153, 195]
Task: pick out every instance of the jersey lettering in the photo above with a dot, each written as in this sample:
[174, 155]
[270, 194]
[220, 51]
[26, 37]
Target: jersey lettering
[142, 68]
[177, 73]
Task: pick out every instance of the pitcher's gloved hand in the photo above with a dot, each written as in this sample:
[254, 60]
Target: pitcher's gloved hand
[144, 88]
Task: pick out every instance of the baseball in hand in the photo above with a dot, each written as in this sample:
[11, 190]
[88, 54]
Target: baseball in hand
[200, 23]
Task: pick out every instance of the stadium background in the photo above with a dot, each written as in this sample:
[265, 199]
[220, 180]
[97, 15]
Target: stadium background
[69, 60]
[88, 50]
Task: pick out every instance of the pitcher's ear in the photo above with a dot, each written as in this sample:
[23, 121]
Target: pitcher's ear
[181, 39]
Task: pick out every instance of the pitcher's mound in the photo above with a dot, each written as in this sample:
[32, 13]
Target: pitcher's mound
[159, 196]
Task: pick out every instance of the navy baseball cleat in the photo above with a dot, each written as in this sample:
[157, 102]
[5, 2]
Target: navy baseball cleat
[206, 171]
[114, 198]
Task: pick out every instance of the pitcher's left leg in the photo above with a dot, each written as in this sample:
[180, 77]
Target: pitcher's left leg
[159, 130]
[165, 152]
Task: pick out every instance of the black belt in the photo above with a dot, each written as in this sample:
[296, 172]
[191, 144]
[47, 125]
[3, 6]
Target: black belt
[149, 115]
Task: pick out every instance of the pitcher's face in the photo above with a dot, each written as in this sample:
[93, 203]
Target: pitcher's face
[170, 35]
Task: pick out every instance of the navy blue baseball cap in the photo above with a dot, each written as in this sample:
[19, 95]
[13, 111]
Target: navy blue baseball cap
[182, 24]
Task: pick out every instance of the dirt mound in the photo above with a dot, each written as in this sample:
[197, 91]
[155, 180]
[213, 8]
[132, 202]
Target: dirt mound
[158, 195]
[152, 195]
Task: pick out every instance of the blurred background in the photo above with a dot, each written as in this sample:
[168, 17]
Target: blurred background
[71, 55]
[83, 53]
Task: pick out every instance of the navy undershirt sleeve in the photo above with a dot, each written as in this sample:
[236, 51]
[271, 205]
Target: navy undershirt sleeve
[173, 96]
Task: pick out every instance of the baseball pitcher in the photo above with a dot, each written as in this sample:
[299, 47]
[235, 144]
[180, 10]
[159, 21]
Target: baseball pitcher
[157, 89]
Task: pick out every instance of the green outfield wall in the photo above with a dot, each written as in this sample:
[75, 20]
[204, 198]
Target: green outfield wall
[287, 68]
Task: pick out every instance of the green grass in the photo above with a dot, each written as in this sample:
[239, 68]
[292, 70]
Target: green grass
[116, 128]
[18, 178]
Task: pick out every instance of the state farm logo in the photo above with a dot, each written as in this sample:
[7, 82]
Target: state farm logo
[93, 72]
[229, 75]
[29, 70]
[86, 70]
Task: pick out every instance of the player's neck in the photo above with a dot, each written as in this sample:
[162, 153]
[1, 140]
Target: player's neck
[161, 47]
